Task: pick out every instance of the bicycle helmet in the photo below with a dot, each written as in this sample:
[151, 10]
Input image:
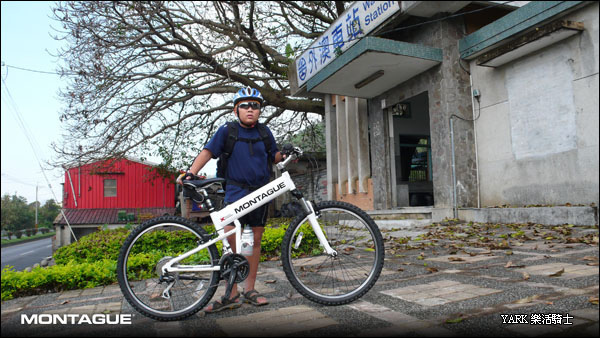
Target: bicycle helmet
[247, 93]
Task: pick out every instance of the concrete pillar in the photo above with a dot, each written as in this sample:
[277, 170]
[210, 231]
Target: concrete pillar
[352, 142]
[378, 122]
[331, 145]
[62, 238]
[364, 164]
[342, 140]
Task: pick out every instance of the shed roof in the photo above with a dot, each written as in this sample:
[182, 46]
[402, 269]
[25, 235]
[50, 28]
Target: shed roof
[108, 216]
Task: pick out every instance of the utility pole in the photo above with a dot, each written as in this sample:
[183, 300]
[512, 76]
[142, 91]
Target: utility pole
[36, 208]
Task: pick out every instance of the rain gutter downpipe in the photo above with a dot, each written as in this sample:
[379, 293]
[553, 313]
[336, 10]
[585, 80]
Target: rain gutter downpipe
[455, 203]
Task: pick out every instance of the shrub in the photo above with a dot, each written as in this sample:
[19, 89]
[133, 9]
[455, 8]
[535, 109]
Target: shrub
[92, 261]
[94, 247]
[56, 278]
[273, 236]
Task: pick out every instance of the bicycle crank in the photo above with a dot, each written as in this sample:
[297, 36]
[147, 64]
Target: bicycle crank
[236, 266]
[234, 269]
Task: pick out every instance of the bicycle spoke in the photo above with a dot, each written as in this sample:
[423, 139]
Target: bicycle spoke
[349, 274]
[154, 292]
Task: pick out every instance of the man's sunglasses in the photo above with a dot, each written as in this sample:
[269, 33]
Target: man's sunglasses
[247, 105]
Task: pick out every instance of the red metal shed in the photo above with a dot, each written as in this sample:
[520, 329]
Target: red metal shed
[124, 183]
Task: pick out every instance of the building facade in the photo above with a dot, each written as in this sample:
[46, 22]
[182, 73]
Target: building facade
[538, 105]
[455, 105]
[113, 194]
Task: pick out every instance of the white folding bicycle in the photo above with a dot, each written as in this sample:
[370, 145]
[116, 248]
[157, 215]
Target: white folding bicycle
[169, 267]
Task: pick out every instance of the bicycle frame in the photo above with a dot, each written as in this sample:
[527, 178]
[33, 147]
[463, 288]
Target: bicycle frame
[234, 211]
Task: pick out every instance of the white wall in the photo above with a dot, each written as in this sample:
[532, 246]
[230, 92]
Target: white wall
[538, 131]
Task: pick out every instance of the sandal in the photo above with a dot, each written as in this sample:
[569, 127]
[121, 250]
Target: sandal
[224, 304]
[251, 297]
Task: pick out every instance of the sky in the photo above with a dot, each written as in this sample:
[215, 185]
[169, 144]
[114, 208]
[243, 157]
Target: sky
[27, 43]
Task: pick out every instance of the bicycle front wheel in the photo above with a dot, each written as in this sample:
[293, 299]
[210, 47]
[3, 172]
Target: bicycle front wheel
[341, 278]
[167, 296]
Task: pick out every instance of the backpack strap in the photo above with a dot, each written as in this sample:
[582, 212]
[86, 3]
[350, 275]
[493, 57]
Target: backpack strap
[232, 137]
[264, 136]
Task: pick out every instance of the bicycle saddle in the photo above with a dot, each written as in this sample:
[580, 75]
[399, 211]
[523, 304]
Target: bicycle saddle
[203, 183]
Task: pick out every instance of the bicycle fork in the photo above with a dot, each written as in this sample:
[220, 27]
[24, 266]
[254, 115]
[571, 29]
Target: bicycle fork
[312, 219]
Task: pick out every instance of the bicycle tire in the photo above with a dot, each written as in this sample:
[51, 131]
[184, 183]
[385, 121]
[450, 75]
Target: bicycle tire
[151, 244]
[363, 245]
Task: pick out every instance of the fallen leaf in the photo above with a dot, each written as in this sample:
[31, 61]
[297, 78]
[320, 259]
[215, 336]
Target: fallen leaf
[65, 302]
[432, 270]
[558, 273]
[508, 253]
[517, 266]
[592, 264]
[400, 269]
[527, 299]
[454, 321]
[549, 303]
[526, 276]
[455, 259]
[593, 300]
[590, 258]
[509, 264]
[270, 281]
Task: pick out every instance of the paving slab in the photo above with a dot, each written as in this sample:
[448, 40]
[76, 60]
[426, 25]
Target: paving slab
[424, 290]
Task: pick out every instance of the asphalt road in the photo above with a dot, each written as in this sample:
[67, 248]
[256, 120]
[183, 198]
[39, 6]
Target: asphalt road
[27, 254]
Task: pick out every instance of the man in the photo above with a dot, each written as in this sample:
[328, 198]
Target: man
[247, 169]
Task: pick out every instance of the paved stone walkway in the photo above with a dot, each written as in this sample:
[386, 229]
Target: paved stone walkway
[429, 287]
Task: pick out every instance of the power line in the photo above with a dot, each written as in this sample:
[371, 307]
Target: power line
[307, 48]
[32, 143]
[15, 180]
[33, 70]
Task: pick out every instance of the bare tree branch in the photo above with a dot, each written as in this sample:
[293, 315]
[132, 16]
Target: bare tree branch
[156, 78]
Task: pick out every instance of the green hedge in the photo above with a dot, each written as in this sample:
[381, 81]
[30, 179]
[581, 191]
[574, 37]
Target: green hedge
[57, 278]
[91, 261]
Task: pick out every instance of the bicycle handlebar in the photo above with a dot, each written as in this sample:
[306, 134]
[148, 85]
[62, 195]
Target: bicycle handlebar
[292, 154]
[288, 149]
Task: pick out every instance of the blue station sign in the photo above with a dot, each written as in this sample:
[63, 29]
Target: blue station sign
[356, 22]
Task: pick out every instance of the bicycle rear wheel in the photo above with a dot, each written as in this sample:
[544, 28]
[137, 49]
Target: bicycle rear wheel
[170, 296]
[333, 280]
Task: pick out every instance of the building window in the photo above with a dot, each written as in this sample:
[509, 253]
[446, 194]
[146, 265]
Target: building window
[110, 188]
